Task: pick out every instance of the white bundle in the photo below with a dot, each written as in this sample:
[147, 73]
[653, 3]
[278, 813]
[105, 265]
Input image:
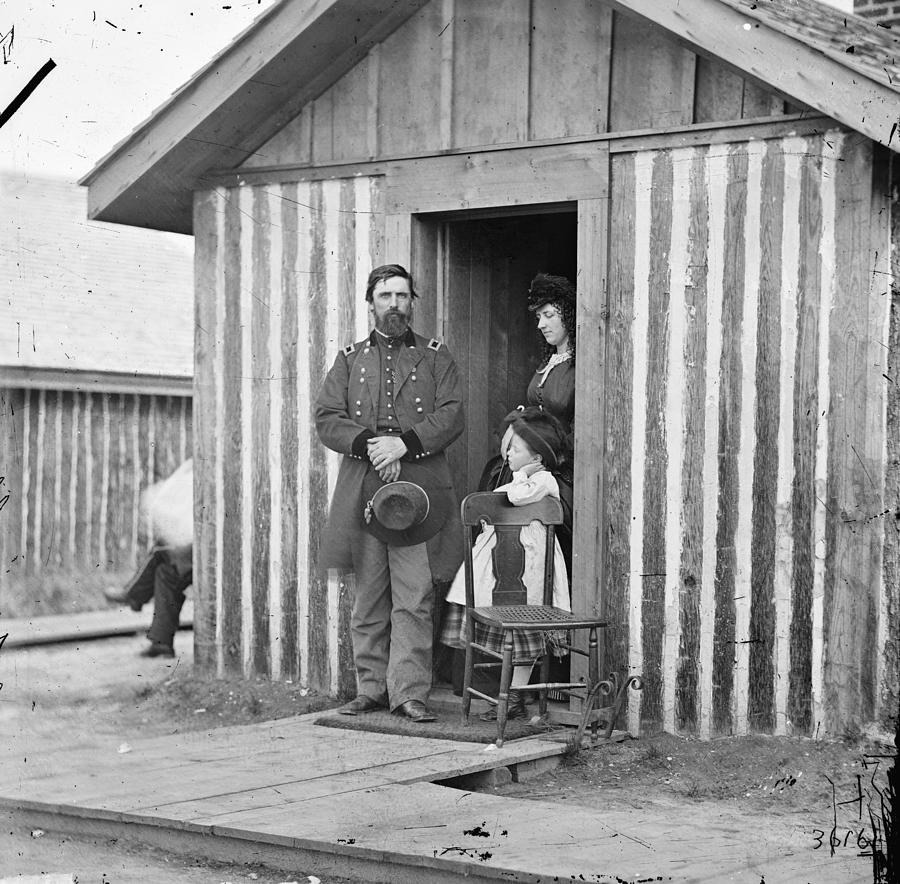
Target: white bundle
[169, 506]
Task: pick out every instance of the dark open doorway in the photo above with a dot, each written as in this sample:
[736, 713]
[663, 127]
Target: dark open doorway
[482, 265]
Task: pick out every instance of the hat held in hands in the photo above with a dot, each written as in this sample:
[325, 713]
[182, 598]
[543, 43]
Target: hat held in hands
[411, 510]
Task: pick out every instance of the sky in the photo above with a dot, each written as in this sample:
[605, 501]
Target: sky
[116, 62]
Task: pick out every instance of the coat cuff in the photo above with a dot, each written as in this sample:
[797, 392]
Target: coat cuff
[359, 449]
[414, 449]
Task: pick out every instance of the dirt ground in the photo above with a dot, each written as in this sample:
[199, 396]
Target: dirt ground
[101, 694]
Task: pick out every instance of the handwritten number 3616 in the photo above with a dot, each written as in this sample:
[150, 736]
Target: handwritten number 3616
[834, 840]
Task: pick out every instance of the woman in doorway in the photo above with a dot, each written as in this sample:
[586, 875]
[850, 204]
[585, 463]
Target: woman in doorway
[552, 300]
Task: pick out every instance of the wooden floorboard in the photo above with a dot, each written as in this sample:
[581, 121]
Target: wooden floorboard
[52, 628]
[368, 806]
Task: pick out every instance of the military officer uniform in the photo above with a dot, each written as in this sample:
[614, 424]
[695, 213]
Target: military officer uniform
[409, 387]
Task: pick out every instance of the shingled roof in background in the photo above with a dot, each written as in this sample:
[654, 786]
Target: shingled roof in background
[857, 43]
[84, 296]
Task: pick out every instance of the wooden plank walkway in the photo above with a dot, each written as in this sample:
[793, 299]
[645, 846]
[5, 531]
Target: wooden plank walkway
[368, 806]
[52, 628]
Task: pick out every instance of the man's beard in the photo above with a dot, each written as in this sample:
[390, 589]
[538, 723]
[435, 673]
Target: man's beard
[393, 324]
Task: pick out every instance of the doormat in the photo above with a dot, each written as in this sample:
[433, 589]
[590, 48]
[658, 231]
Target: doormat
[448, 726]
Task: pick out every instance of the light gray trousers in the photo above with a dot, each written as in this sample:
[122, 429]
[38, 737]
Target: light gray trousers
[391, 622]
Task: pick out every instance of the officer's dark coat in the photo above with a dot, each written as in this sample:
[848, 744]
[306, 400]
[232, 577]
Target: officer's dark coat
[427, 400]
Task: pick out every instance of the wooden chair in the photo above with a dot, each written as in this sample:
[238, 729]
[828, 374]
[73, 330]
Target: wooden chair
[510, 610]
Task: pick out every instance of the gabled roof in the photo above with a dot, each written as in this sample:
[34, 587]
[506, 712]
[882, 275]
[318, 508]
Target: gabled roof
[291, 54]
[299, 48]
[82, 296]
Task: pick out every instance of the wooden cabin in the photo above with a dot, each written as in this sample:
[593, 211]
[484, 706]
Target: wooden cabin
[716, 175]
[96, 382]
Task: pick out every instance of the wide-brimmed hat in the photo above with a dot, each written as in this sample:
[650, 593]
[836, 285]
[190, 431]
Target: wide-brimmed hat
[411, 510]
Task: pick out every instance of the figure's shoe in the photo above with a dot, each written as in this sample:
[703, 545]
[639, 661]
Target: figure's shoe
[120, 598]
[415, 710]
[362, 703]
[157, 649]
[515, 710]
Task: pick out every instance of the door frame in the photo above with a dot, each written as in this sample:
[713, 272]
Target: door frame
[505, 182]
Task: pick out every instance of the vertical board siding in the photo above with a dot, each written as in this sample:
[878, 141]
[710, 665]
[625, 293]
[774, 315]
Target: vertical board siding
[206, 384]
[746, 428]
[287, 434]
[263, 389]
[555, 71]
[74, 468]
[687, 673]
[742, 509]
[282, 284]
[230, 428]
[729, 406]
[888, 649]
[762, 631]
[651, 578]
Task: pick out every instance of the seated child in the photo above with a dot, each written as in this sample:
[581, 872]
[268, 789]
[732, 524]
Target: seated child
[535, 450]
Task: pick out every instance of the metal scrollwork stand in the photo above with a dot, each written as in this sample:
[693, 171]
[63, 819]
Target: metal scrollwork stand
[610, 689]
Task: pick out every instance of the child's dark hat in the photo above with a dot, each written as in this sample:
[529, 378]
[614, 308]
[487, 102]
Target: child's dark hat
[542, 433]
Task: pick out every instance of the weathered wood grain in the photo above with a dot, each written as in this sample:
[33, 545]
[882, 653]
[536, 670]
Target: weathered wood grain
[290, 467]
[651, 77]
[889, 683]
[318, 669]
[874, 441]
[761, 708]
[490, 46]
[618, 412]
[488, 179]
[353, 124]
[411, 117]
[206, 245]
[806, 415]
[652, 573]
[730, 407]
[230, 431]
[589, 529]
[260, 405]
[694, 355]
[746, 437]
[673, 421]
[719, 92]
[570, 98]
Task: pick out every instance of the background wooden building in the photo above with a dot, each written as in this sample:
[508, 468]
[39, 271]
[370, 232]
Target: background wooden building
[95, 392]
[717, 177]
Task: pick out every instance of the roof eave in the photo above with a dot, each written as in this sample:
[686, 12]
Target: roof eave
[243, 93]
[787, 65]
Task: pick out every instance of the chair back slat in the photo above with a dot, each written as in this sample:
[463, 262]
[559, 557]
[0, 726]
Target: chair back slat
[508, 554]
[509, 566]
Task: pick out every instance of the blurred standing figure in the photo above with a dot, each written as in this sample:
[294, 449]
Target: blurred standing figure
[168, 569]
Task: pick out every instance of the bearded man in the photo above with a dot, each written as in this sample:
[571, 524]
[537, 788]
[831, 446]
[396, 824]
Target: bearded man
[391, 403]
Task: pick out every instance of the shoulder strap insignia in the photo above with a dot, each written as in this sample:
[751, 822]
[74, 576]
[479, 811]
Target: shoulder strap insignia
[348, 349]
[434, 344]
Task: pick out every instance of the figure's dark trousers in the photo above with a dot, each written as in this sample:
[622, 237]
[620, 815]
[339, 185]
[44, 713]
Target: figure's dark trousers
[391, 622]
[163, 576]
